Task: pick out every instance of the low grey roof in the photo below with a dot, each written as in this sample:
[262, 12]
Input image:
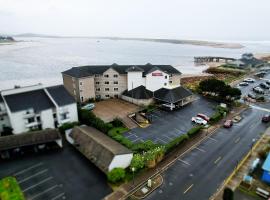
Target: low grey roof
[139, 93]
[91, 70]
[96, 146]
[172, 95]
[30, 138]
[36, 99]
[60, 95]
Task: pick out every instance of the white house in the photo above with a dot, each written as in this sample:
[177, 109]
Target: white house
[36, 108]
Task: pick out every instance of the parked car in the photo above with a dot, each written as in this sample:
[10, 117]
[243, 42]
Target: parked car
[243, 84]
[228, 123]
[203, 116]
[264, 86]
[266, 118]
[198, 120]
[268, 82]
[250, 95]
[258, 90]
[89, 106]
[249, 80]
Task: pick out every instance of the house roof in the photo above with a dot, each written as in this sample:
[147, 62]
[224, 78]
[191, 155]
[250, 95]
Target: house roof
[60, 95]
[96, 146]
[139, 92]
[1, 98]
[84, 71]
[29, 138]
[36, 99]
[134, 69]
[172, 95]
[266, 164]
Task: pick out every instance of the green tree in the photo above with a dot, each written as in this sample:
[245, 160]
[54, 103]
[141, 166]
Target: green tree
[116, 175]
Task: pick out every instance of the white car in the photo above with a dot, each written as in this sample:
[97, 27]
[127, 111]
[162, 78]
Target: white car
[88, 107]
[198, 120]
[249, 80]
[243, 84]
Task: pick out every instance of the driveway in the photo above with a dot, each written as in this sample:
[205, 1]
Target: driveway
[62, 174]
[168, 125]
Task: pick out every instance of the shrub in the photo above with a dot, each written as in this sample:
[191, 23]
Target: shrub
[138, 162]
[117, 123]
[67, 126]
[117, 130]
[172, 144]
[122, 140]
[116, 175]
[144, 146]
[216, 117]
[194, 131]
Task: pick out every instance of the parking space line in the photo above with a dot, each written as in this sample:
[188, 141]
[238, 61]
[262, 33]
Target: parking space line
[36, 174]
[27, 169]
[212, 139]
[162, 140]
[130, 135]
[166, 136]
[43, 192]
[237, 140]
[188, 189]
[202, 150]
[135, 139]
[185, 162]
[58, 196]
[217, 160]
[39, 183]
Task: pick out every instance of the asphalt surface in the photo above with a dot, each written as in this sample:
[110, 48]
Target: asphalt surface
[168, 125]
[59, 174]
[199, 173]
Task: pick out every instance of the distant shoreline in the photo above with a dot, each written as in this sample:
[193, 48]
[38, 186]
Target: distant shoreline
[226, 45]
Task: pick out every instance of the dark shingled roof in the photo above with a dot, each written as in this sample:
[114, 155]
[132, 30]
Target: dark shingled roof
[134, 69]
[60, 95]
[36, 99]
[172, 95]
[96, 146]
[1, 98]
[85, 71]
[139, 93]
[30, 138]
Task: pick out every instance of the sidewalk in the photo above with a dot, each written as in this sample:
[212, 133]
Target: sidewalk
[128, 189]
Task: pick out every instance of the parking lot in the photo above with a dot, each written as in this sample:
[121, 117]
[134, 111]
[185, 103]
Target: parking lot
[168, 125]
[55, 175]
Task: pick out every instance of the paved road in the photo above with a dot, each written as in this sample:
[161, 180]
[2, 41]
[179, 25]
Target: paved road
[199, 173]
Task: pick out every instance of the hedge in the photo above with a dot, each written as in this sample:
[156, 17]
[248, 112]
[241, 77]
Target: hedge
[172, 144]
[116, 175]
[193, 131]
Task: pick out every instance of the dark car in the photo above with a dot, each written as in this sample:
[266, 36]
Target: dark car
[266, 118]
[268, 82]
[264, 86]
[228, 123]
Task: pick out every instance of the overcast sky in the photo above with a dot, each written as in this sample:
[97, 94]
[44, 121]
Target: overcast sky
[181, 19]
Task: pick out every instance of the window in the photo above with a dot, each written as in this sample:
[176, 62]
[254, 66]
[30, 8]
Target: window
[98, 96]
[165, 84]
[106, 75]
[107, 89]
[80, 90]
[107, 96]
[115, 89]
[38, 118]
[116, 96]
[107, 82]
[115, 75]
[97, 89]
[64, 116]
[54, 115]
[115, 82]
[31, 120]
[2, 119]
[81, 99]
[80, 83]
[166, 77]
[97, 82]
[170, 82]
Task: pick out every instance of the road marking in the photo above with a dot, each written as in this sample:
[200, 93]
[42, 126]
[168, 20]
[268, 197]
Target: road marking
[45, 191]
[237, 140]
[212, 139]
[36, 174]
[200, 149]
[183, 161]
[58, 196]
[169, 138]
[188, 188]
[217, 160]
[39, 183]
[27, 169]
[162, 140]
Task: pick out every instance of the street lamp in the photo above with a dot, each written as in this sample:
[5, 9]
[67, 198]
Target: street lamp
[133, 170]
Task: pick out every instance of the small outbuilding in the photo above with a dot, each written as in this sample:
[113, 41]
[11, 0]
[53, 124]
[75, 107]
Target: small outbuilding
[100, 149]
[266, 170]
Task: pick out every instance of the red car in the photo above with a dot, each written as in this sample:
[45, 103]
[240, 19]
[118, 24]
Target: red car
[203, 117]
[228, 123]
[266, 118]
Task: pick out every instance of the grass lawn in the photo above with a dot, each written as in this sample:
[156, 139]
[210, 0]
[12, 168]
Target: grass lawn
[10, 190]
[118, 130]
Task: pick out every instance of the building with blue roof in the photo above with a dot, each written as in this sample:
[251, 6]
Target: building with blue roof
[266, 170]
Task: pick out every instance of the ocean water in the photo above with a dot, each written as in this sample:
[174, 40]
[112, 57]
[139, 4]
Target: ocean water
[41, 60]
